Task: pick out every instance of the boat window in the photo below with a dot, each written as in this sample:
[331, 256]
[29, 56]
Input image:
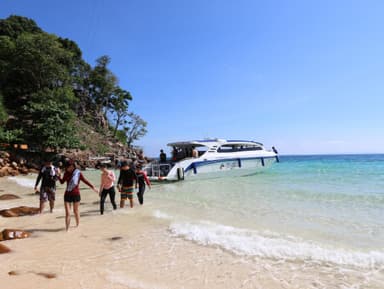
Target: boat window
[229, 148]
[201, 150]
[182, 152]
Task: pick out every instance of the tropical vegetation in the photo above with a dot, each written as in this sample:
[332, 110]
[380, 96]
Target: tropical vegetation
[48, 92]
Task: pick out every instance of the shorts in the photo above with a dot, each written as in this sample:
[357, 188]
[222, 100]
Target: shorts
[47, 193]
[126, 193]
[71, 198]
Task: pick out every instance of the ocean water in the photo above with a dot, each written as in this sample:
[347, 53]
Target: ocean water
[323, 208]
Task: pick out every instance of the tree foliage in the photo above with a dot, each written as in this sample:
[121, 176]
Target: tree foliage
[34, 62]
[45, 84]
[102, 85]
[15, 25]
[3, 112]
[119, 107]
[53, 121]
[137, 128]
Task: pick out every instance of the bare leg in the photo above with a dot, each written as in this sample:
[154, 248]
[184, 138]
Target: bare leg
[76, 212]
[51, 205]
[41, 206]
[131, 202]
[67, 214]
[122, 203]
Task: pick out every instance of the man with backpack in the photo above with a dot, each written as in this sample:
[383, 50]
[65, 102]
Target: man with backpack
[48, 176]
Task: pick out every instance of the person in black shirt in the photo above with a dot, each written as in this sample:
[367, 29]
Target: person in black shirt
[126, 184]
[142, 180]
[163, 157]
[48, 176]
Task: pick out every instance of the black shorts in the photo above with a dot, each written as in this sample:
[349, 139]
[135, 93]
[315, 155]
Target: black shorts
[72, 198]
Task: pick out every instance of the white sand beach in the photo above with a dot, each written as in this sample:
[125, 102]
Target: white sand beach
[132, 248]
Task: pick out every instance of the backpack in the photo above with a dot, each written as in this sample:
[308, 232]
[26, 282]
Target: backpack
[48, 177]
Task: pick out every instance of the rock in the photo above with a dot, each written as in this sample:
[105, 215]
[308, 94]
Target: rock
[14, 165]
[6, 155]
[116, 238]
[4, 171]
[19, 211]
[10, 234]
[47, 275]
[14, 172]
[5, 197]
[4, 249]
[8, 171]
[23, 171]
[33, 171]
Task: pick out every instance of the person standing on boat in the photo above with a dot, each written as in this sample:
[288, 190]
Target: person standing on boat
[142, 179]
[195, 153]
[106, 187]
[48, 176]
[73, 176]
[174, 154]
[126, 184]
[163, 157]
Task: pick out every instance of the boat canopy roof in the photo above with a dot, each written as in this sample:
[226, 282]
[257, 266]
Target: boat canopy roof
[211, 142]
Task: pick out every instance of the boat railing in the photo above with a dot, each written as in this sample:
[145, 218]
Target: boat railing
[156, 169]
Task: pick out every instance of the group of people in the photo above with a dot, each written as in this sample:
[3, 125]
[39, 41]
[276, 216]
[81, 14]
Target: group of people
[181, 153]
[130, 178]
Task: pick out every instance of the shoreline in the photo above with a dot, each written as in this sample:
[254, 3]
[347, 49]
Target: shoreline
[132, 248]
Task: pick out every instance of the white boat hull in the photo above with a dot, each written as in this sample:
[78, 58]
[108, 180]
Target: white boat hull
[190, 169]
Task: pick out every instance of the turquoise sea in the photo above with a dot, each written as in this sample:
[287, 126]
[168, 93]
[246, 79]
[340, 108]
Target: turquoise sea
[320, 208]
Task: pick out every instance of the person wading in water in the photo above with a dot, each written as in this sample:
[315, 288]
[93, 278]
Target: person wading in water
[73, 176]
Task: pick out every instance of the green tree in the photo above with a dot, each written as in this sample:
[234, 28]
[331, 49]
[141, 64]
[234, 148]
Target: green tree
[15, 25]
[7, 50]
[45, 83]
[3, 112]
[38, 61]
[7, 135]
[52, 122]
[119, 107]
[137, 128]
[102, 86]
[10, 136]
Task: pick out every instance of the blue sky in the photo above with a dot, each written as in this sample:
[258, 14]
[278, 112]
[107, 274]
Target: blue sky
[306, 76]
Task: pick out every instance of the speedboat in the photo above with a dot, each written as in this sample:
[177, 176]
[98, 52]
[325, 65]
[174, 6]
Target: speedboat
[211, 157]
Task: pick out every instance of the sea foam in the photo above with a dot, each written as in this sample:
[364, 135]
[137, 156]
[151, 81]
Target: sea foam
[161, 215]
[24, 182]
[271, 245]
